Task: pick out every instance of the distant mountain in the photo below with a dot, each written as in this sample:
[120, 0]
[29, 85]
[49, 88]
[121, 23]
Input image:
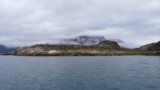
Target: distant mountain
[151, 47]
[4, 49]
[46, 49]
[87, 40]
[84, 40]
[105, 47]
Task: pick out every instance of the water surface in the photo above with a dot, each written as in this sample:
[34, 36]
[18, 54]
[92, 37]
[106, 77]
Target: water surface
[80, 73]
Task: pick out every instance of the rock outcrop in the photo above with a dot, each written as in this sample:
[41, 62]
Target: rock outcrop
[151, 47]
[109, 44]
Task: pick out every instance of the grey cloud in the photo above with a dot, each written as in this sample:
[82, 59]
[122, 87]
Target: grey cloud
[42, 21]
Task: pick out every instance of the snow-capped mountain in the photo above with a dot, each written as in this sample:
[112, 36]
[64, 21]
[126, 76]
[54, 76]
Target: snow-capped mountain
[84, 40]
[87, 40]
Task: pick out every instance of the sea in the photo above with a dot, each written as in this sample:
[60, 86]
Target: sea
[80, 73]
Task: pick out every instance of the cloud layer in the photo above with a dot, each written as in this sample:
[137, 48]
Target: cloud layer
[27, 22]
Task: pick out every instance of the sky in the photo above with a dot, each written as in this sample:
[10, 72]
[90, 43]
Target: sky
[28, 22]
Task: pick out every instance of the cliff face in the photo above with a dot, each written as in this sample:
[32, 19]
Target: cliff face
[151, 47]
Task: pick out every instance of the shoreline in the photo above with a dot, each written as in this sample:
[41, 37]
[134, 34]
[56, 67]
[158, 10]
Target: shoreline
[87, 54]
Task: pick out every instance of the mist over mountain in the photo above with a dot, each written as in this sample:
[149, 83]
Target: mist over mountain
[83, 40]
[77, 40]
[29, 22]
[87, 40]
[4, 49]
[93, 40]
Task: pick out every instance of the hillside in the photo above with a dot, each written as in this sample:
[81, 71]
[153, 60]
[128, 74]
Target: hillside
[103, 48]
[46, 49]
[109, 44]
[151, 47]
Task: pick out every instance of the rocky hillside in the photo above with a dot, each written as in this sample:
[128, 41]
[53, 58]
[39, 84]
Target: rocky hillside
[105, 48]
[109, 44]
[45, 49]
[151, 47]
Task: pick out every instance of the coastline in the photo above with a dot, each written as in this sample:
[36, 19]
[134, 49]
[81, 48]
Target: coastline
[90, 54]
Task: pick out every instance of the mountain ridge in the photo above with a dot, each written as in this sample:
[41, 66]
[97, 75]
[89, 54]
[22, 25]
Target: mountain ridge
[151, 47]
[87, 40]
[4, 49]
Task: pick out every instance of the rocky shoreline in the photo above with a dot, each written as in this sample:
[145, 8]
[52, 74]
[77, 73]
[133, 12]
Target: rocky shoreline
[44, 50]
[91, 54]
[104, 48]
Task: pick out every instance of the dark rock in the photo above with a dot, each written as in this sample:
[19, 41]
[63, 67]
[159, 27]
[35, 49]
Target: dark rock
[151, 47]
[109, 44]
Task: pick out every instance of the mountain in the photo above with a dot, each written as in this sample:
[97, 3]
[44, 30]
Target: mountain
[105, 47]
[83, 40]
[151, 47]
[46, 49]
[109, 44]
[87, 40]
[4, 49]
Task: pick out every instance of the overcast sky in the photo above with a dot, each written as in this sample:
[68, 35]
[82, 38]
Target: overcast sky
[27, 22]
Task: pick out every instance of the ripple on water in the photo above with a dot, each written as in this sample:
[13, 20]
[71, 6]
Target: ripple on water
[80, 73]
[151, 86]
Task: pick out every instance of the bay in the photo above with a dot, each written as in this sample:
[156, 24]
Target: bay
[80, 73]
